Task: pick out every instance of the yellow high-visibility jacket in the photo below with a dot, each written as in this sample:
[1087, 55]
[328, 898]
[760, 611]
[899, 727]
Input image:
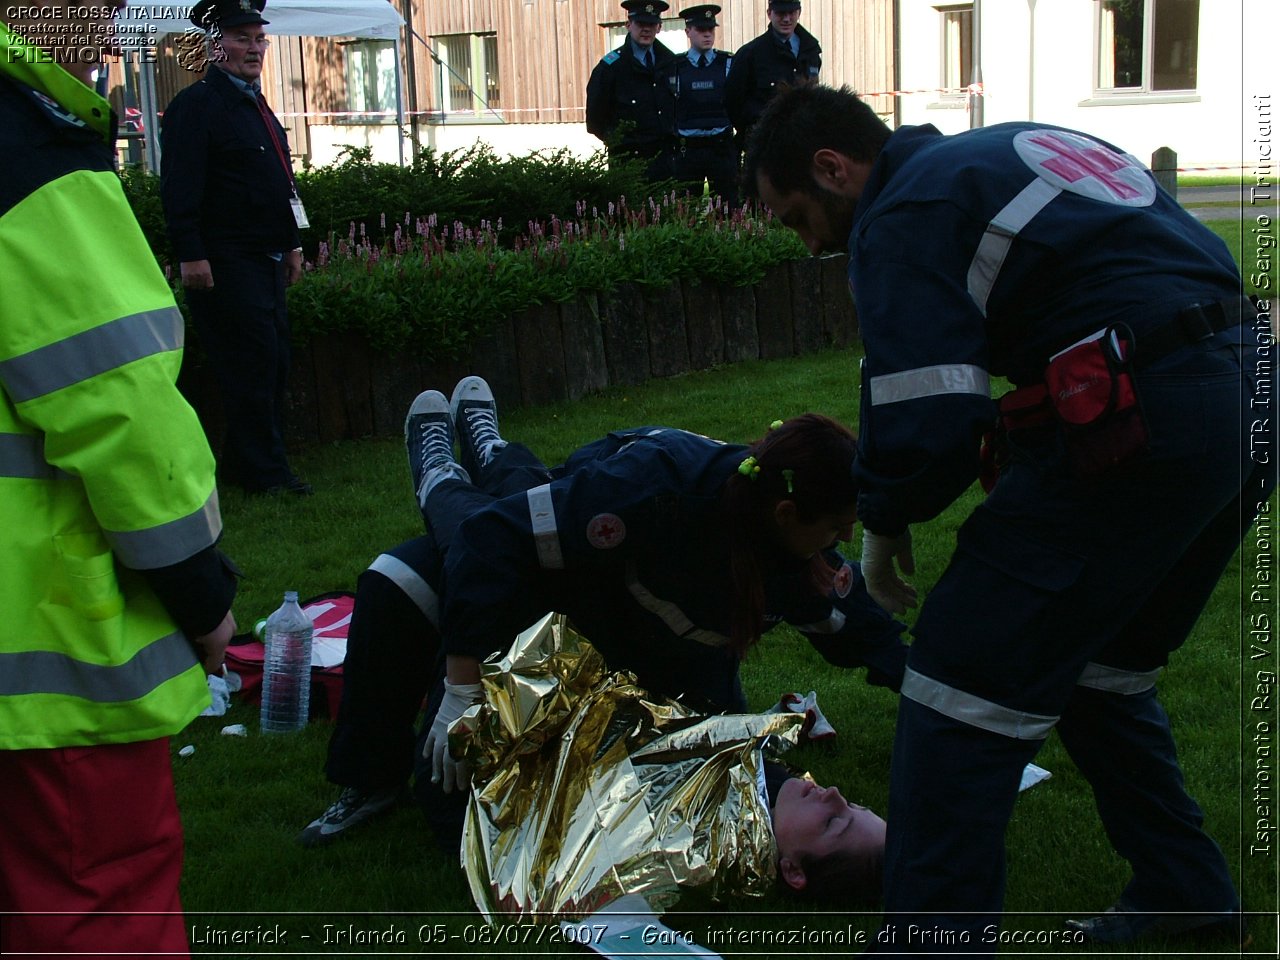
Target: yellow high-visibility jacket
[105, 472]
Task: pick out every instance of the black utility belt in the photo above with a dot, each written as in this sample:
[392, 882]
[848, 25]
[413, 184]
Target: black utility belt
[719, 140]
[1189, 327]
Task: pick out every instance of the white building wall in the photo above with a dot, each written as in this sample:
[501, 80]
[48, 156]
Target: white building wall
[1038, 63]
[507, 139]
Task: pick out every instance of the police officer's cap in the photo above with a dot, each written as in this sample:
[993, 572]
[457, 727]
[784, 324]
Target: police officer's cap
[645, 11]
[225, 14]
[703, 15]
[783, 6]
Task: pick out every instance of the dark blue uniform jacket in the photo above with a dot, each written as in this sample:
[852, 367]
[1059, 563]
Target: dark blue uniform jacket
[986, 253]
[629, 540]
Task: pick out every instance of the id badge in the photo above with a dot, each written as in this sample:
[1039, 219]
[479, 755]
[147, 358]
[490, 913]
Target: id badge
[299, 212]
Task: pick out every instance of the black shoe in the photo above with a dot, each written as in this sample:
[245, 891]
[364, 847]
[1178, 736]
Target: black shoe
[352, 808]
[295, 486]
[475, 417]
[428, 439]
[1122, 924]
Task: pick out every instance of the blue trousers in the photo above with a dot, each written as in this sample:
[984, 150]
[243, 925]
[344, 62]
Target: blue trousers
[1063, 600]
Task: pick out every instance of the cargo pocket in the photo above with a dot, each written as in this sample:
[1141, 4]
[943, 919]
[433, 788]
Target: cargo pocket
[989, 626]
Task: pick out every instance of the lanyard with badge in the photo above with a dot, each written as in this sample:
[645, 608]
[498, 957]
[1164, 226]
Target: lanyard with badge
[295, 201]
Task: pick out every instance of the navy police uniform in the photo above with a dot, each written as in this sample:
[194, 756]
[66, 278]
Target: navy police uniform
[226, 189]
[705, 149]
[629, 104]
[762, 65]
[1072, 583]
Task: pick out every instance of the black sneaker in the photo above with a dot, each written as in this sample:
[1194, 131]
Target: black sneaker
[1120, 923]
[428, 439]
[475, 417]
[352, 808]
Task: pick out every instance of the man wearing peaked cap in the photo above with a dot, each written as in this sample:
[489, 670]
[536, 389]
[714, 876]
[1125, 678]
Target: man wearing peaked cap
[705, 149]
[784, 55]
[233, 214]
[629, 104]
[225, 14]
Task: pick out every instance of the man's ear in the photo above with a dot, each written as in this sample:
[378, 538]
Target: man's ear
[830, 169]
[792, 874]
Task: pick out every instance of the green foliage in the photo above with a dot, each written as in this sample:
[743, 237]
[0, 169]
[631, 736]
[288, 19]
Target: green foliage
[437, 285]
[143, 192]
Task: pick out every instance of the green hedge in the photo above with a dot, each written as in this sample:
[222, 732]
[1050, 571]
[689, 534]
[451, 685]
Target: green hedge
[433, 253]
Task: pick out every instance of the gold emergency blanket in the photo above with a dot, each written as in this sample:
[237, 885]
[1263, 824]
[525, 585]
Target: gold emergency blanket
[586, 788]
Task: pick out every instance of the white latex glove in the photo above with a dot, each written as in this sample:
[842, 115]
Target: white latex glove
[887, 588]
[451, 774]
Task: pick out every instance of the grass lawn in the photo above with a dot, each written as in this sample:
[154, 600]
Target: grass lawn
[244, 799]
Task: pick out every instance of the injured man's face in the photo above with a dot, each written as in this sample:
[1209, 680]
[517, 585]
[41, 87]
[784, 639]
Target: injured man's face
[822, 838]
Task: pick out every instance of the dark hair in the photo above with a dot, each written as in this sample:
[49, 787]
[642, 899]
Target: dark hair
[807, 460]
[801, 120]
[840, 879]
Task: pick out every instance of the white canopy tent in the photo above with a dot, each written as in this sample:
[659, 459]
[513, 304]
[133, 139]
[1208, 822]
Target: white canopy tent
[374, 19]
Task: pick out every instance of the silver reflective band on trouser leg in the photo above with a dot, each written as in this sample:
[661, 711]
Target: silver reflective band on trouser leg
[22, 458]
[411, 583]
[998, 238]
[936, 381]
[45, 672]
[677, 620]
[973, 710]
[168, 543]
[85, 355]
[542, 519]
[1096, 676]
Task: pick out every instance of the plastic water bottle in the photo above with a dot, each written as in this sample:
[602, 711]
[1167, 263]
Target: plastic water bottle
[286, 675]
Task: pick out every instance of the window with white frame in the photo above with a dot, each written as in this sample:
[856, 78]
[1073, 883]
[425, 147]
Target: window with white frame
[956, 66]
[1147, 46]
[371, 81]
[467, 75]
[672, 35]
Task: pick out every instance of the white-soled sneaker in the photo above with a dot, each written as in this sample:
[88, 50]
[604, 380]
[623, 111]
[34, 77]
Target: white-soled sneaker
[475, 417]
[352, 808]
[428, 440]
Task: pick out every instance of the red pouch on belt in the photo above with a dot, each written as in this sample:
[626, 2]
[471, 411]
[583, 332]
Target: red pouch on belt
[1092, 392]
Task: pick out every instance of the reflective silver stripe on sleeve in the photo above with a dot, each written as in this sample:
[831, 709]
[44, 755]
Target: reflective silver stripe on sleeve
[930, 382]
[85, 355]
[46, 672]
[1096, 676]
[546, 537]
[22, 458]
[666, 611]
[998, 238]
[414, 587]
[973, 710]
[170, 542]
[833, 624]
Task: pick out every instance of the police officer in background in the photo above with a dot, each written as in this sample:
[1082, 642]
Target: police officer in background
[705, 150]
[233, 214]
[629, 104]
[785, 54]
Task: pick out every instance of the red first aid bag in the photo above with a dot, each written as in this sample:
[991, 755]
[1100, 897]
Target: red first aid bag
[1092, 392]
[330, 614]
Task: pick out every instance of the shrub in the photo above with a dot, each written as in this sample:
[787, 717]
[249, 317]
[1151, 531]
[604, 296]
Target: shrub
[438, 285]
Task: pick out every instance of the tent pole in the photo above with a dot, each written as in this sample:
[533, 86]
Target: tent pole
[150, 113]
[399, 101]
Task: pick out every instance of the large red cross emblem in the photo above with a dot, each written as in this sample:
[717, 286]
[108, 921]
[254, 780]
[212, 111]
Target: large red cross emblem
[1076, 163]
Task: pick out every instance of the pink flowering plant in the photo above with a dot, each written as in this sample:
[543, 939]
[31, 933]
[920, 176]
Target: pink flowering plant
[438, 284]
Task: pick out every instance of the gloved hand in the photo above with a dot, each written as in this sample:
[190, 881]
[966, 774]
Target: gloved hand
[879, 554]
[451, 774]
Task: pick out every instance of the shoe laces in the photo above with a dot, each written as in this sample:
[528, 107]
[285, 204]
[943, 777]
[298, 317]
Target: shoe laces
[482, 427]
[434, 441]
